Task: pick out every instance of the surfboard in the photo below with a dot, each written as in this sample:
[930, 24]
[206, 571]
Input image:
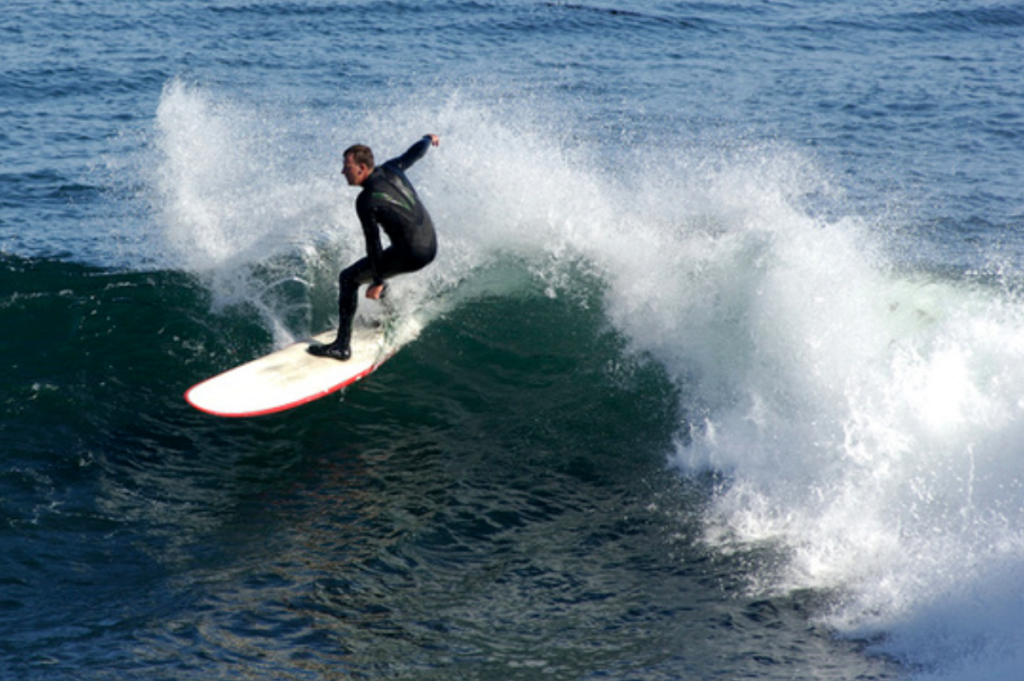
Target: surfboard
[291, 377]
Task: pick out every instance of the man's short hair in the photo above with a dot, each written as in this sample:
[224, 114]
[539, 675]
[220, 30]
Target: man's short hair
[361, 155]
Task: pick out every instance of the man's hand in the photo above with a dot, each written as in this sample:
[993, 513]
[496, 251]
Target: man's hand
[374, 292]
[434, 139]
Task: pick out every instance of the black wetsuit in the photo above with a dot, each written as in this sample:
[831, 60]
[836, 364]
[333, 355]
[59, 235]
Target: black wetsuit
[389, 202]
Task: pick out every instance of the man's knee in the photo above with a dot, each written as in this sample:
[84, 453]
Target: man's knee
[353, 276]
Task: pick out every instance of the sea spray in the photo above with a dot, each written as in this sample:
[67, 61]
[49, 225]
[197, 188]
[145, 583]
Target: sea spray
[240, 202]
[251, 199]
[868, 421]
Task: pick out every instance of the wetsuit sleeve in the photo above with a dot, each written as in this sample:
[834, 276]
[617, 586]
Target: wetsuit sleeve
[371, 232]
[414, 153]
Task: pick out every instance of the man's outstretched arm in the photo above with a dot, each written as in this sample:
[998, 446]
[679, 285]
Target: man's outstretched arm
[417, 151]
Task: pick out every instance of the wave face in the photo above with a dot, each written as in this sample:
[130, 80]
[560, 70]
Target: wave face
[717, 378]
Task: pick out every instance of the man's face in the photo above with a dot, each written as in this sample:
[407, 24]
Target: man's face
[354, 172]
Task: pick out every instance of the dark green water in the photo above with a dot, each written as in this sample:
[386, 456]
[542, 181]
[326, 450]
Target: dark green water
[493, 503]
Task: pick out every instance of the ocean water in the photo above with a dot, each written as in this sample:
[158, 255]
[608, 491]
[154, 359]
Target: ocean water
[722, 369]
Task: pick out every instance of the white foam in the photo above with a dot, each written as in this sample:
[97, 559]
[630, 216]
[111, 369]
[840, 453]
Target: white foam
[870, 422]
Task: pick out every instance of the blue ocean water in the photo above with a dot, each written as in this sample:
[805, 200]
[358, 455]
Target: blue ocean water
[721, 373]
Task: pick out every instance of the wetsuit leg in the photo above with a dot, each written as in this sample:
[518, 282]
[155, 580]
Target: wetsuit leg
[393, 261]
[349, 281]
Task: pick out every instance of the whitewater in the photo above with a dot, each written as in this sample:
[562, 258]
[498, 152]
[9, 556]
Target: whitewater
[862, 411]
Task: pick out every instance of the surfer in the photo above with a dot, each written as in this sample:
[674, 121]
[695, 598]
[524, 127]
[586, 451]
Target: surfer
[389, 202]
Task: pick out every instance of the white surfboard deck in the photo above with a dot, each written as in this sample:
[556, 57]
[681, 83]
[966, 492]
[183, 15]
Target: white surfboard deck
[292, 377]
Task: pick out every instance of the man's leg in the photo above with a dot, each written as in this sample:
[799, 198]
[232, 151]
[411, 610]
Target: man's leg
[349, 281]
[393, 261]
